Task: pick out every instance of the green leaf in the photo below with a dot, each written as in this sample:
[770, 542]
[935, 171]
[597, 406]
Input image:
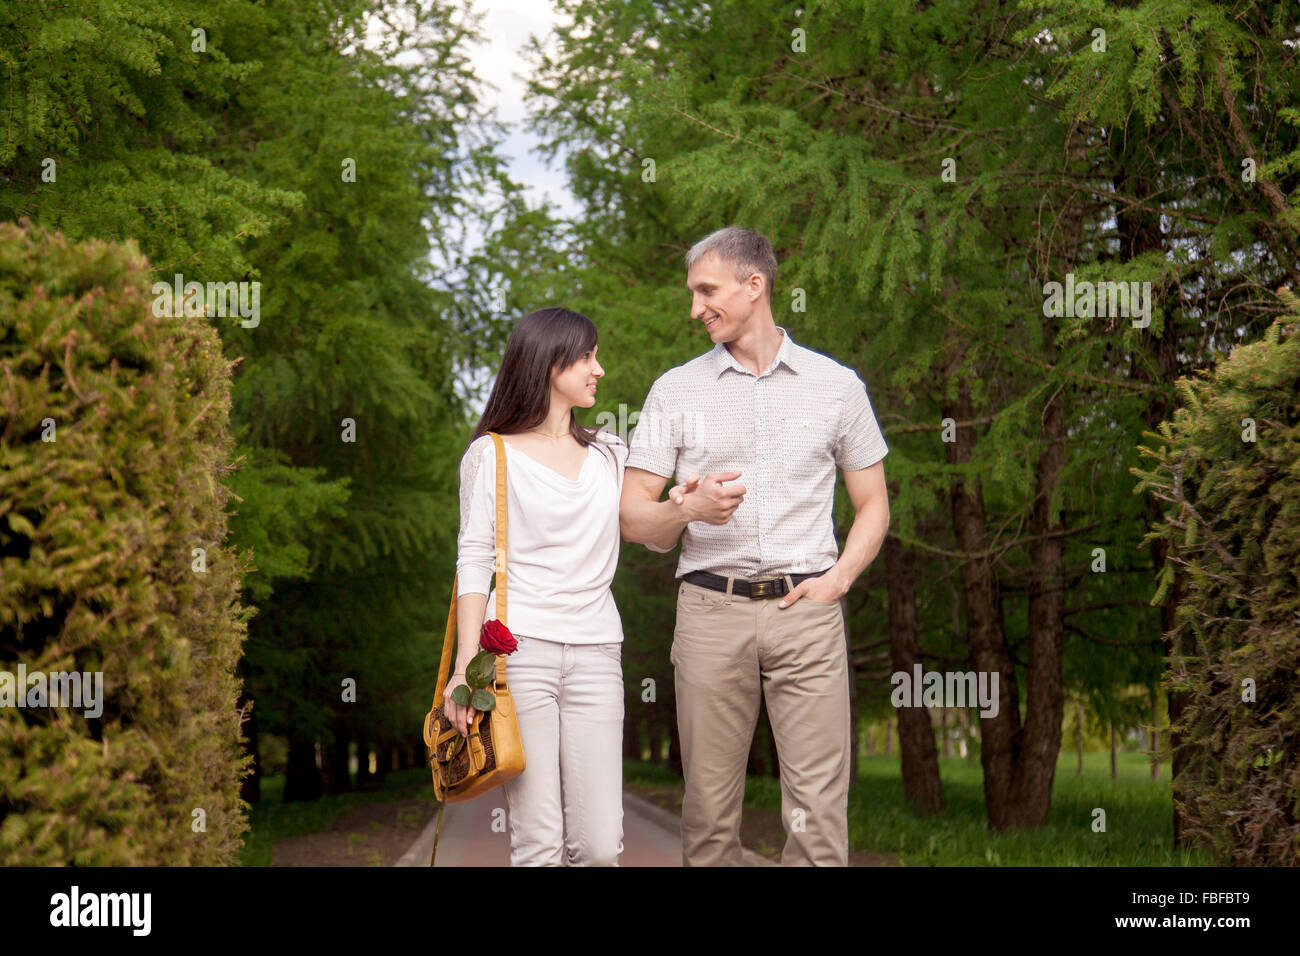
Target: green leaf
[481, 669]
[484, 700]
[20, 524]
[461, 695]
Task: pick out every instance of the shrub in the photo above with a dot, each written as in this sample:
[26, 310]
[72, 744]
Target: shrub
[1231, 526]
[97, 573]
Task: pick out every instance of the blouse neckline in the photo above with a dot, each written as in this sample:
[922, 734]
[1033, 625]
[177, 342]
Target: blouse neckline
[573, 482]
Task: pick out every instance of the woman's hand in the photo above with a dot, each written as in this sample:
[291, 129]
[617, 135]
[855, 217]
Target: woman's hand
[677, 493]
[460, 717]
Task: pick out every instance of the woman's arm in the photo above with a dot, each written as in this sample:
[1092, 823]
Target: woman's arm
[475, 564]
[471, 612]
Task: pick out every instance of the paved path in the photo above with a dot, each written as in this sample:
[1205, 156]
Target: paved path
[651, 836]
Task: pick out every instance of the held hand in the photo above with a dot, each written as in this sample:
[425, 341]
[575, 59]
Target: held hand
[460, 717]
[825, 589]
[714, 503]
[677, 494]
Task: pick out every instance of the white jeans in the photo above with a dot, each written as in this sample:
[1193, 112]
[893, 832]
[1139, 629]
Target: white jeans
[566, 808]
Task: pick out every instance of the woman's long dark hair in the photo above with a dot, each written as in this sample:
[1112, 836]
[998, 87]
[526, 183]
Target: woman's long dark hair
[541, 342]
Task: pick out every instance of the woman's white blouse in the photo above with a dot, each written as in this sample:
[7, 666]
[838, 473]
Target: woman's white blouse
[562, 540]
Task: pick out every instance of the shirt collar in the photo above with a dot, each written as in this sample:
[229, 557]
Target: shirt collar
[787, 354]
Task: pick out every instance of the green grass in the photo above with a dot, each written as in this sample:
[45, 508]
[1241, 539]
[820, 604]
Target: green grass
[651, 774]
[1139, 829]
[272, 820]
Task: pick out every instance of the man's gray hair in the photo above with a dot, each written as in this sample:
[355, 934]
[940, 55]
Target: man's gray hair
[747, 250]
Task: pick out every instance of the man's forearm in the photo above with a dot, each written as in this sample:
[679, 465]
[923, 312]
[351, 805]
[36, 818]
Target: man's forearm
[866, 535]
[654, 523]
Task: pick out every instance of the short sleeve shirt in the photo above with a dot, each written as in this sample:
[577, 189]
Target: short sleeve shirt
[785, 431]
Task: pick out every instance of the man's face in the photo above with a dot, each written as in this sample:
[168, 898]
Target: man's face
[718, 300]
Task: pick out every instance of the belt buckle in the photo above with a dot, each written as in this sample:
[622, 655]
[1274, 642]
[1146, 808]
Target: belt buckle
[760, 589]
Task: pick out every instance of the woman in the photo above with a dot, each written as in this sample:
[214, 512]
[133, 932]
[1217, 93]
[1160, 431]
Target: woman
[564, 482]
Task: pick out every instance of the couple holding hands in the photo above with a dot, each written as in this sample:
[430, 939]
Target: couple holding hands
[752, 431]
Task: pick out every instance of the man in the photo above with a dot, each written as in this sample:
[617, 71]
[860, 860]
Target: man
[762, 580]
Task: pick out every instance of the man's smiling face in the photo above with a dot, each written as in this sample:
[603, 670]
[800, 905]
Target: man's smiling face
[723, 304]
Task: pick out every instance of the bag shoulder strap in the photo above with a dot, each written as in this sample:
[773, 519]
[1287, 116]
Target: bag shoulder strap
[501, 527]
[502, 494]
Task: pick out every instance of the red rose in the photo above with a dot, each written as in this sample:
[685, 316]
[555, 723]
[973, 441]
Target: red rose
[496, 637]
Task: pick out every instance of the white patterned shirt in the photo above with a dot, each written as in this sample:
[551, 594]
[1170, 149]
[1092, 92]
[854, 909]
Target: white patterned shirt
[785, 431]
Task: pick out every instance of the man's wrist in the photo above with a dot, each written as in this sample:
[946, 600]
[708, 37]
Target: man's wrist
[678, 518]
[682, 514]
[843, 580]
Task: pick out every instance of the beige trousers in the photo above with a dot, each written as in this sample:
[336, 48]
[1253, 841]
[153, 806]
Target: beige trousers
[725, 649]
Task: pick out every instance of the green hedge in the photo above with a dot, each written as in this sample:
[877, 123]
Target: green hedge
[1232, 529]
[97, 529]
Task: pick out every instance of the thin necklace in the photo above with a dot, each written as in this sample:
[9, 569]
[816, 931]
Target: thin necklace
[546, 435]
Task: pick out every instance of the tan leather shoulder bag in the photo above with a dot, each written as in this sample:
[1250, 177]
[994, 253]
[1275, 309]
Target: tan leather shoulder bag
[495, 752]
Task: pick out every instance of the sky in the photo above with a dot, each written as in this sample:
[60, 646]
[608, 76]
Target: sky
[507, 25]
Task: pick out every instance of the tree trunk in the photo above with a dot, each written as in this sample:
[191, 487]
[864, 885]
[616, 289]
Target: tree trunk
[1155, 734]
[1114, 770]
[889, 737]
[302, 777]
[1031, 795]
[1000, 734]
[921, 784]
[871, 741]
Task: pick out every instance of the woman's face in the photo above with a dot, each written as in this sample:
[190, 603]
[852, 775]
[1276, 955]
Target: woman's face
[576, 385]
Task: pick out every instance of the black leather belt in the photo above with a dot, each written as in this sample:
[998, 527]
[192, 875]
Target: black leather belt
[765, 588]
